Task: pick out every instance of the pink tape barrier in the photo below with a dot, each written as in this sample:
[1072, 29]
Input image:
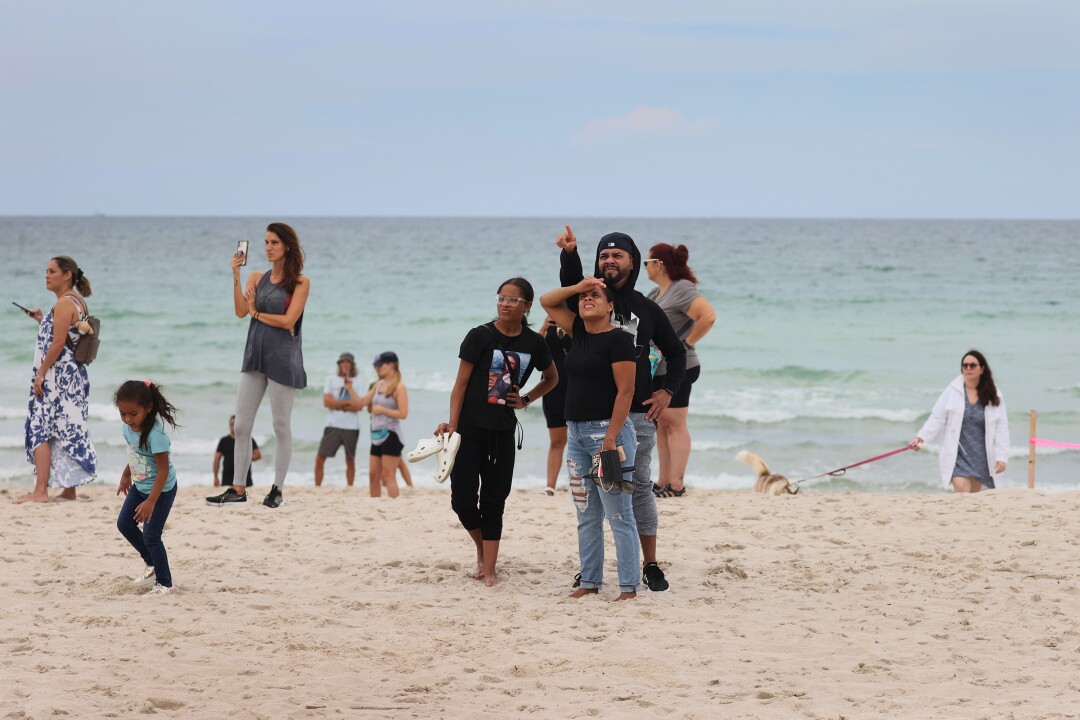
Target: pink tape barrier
[1055, 444]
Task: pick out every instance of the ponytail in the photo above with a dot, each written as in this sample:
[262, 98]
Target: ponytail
[79, 281]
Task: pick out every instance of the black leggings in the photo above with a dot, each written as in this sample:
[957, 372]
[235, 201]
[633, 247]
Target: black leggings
[480, 481]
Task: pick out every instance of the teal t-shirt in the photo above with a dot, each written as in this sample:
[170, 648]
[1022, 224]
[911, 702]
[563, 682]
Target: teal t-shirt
[141, 460]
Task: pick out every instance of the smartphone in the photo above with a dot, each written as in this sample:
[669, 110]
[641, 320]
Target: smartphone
[25, 310]
[242, 249]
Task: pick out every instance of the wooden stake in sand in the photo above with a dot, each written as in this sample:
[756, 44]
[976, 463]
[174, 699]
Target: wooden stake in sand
[1031, 452]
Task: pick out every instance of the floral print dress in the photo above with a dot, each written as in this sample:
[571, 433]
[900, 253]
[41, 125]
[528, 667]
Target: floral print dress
[59, 416]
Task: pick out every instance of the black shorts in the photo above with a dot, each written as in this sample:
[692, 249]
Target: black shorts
[554, 405]
[681, 399]
[390, 447]
[333, 438]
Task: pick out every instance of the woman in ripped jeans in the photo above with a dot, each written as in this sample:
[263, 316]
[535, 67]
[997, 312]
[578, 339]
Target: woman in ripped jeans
[600, 387]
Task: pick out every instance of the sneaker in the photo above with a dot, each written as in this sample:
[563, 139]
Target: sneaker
[654, 578]
[229, 496]
[273, 498]
[159, 589]
[143, 576]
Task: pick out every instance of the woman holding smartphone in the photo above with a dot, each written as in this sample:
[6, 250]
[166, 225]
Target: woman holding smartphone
[58, 442]
[273, 357]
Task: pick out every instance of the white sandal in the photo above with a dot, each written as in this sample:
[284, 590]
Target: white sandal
[425, 448]
[549, 492]
[447, 455]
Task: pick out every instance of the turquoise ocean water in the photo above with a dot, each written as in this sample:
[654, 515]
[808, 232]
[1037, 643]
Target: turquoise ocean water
[833, 339]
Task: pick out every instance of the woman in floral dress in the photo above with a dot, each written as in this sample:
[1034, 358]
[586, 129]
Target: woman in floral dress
[58, 443]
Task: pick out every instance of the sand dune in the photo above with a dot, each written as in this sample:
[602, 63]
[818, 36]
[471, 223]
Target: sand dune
[336, 605]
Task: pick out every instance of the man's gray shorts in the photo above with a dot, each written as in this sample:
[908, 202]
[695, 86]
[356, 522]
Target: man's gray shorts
[333, 438]
[644, 501]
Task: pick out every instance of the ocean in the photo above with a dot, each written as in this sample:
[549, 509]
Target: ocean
[833, 338]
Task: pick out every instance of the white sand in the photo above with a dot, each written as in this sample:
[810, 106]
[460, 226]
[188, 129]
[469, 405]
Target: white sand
[338, 606]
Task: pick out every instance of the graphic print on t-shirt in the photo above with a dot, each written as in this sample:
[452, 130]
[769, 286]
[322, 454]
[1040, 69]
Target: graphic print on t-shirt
[507, 369]
[140, 464]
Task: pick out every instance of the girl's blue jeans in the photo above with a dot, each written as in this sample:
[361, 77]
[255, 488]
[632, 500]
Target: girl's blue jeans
[584, 440]
[148, 540]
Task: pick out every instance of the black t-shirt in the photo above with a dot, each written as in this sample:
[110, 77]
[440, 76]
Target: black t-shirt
[225, 446]
[495, 373]
[590, 381]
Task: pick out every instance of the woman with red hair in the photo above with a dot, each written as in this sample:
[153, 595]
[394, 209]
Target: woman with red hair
[692, 317]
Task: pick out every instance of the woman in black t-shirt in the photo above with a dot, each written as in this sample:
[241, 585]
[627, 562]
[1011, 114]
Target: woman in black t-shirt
[600, 373]
[495, 360]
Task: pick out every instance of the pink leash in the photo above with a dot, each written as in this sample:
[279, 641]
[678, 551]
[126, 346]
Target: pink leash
[1054, 444]
[840, 471]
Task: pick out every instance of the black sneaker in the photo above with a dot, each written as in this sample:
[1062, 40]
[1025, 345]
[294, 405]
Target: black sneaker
[273, 498]
[654, 578]
[577, 580]
[229, 496]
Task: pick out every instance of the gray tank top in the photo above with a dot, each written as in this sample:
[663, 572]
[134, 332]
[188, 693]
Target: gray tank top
[383, 425]
[275, 352]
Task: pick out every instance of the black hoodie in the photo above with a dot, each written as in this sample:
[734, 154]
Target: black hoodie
[652, 323]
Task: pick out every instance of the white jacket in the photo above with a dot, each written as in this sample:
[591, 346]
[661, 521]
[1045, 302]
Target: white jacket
[948, 412]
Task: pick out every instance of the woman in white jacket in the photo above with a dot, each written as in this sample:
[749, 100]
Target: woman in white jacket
[976, 428]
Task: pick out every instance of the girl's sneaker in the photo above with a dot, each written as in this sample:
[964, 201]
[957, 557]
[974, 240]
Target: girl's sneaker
[159, 589]
[143, 576]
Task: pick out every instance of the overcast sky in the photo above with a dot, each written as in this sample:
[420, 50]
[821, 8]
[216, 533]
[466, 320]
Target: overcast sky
[853, 108]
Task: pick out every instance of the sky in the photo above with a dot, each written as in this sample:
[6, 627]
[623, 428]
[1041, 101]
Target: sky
[851, 108]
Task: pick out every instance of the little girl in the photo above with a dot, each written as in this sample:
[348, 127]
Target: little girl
[149, 480]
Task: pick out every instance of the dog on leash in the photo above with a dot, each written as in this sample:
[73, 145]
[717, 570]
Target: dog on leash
[767, 483]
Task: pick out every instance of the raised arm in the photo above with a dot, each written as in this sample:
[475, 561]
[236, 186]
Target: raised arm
[554, 302]
[569, 261]
[240, 306]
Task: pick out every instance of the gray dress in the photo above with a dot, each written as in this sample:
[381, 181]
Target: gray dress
[971, 454]
[274, 352]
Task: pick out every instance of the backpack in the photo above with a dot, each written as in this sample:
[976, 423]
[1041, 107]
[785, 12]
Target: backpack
[86, 350]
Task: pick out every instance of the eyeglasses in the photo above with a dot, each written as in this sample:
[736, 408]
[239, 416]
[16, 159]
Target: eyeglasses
[509, 299]
[969, 366]
[646, 261]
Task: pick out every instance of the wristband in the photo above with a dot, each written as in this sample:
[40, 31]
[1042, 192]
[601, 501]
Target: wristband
[527, 400]
[669, 391]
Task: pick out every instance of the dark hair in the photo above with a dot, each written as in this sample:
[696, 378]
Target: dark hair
[294, 254]
[78, 281]
[675, 260]
[147, 394]
[526, 289]
[608, 293]
[988, 394]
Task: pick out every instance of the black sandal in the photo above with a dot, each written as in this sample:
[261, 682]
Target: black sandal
[670, 492]
[659, 490]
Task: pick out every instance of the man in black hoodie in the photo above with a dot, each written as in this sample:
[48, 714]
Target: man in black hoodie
[618, 262]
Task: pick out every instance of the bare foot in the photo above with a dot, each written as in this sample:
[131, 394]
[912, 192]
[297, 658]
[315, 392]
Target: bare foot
[582, 592]
[490, 581]
[479, 574]
[626, 596]
[67, 494]
[32, 497]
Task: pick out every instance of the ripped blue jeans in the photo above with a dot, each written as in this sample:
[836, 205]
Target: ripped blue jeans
[584, 439]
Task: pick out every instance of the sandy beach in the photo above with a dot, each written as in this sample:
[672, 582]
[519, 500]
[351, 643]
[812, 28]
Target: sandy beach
[336, 605]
